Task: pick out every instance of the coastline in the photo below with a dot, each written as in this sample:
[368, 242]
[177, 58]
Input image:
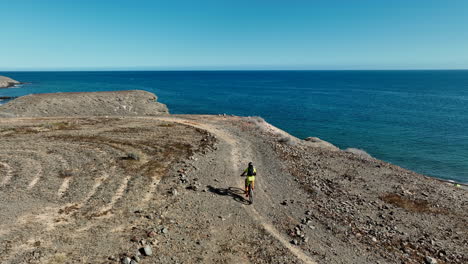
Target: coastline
[372, 123]
[147, 171]
[51, 100]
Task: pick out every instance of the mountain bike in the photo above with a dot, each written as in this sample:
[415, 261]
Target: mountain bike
[250, 192]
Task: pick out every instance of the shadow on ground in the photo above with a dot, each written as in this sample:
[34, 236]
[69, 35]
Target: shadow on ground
[236, 193]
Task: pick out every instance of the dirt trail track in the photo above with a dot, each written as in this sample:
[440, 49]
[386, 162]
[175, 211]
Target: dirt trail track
[241, 151]
[98, 189]
[75, 193]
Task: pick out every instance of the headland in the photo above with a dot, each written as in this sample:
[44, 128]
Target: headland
[6, 82]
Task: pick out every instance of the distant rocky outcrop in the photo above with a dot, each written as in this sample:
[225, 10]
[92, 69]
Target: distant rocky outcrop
[6, 82]
[118, 103]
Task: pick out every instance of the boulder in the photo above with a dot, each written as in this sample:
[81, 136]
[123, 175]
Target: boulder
[147, 251]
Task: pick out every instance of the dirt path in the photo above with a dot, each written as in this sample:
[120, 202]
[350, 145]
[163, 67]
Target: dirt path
[8, 173]
[237, 154]
[81, 190]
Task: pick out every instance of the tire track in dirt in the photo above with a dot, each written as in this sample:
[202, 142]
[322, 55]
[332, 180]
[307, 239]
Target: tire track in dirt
[247, 154]
[236, 158]
[47, 216]
[8, 174]
[100, 154]
[117, 195]
[36, 177]
[84, 172]
[15, 154]
[66, 181]
[12, 157]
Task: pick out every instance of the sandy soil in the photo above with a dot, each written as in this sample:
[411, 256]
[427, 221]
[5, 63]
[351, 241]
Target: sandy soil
[95, 190]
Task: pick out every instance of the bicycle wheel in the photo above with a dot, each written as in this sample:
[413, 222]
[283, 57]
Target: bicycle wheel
[250, 194]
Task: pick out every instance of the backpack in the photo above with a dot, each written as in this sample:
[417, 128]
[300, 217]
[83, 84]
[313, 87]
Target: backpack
[250, 170]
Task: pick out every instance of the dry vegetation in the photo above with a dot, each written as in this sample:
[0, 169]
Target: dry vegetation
[88, 173]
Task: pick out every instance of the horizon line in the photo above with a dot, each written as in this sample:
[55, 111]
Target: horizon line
[227, 69]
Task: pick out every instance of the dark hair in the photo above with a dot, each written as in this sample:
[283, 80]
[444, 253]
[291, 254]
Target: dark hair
[250, 170]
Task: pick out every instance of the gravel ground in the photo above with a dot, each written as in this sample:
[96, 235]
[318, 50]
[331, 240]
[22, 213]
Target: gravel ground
[100, 190]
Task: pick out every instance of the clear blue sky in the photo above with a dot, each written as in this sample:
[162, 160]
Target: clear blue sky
[252, 34]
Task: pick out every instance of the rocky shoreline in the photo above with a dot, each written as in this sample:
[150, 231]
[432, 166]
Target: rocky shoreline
[6, 82]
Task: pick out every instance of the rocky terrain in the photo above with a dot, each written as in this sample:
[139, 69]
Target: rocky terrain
[6, 82]
[166, 189]
[120, 103]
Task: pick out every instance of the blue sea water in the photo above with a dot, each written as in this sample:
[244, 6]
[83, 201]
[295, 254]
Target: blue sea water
[415, 119]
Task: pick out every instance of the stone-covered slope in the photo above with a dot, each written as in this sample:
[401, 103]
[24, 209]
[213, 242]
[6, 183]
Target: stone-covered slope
[118, 103]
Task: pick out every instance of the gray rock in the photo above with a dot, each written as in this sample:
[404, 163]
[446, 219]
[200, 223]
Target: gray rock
[193, 187]
[126, 260]
[430, 260]
[133, 262]
[147, 251]
[164, 230]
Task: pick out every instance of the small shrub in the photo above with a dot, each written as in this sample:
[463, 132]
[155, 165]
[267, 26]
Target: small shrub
[132, 156]
[255, 120]
[26, 130]
[58, 258]
[286, 140]
[65, 174]
[358, 152]
[166, 125]
[60, 126]
[419, 206]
